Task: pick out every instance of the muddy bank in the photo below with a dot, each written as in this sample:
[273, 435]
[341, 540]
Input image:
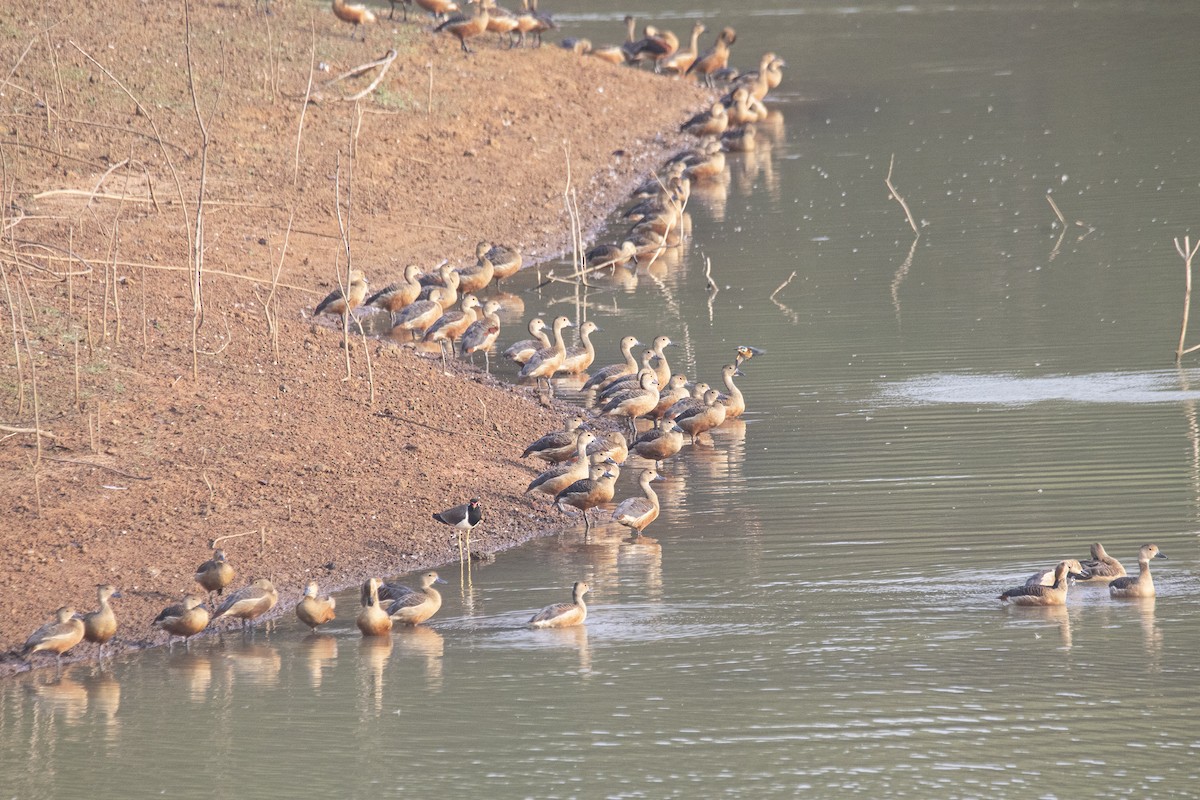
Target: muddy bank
[274, 442]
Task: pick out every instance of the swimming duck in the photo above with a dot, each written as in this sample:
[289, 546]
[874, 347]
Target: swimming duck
[682, 60]
[506, 261]
[463, 518]
[1045, 577]
[634, 403]
[601, 378]
[636, 513]
[335, 303]
[101, 625]
[556, 446]
[545, 362]
[715, 58]
[1143, 584]
[563, 615]
[482, 334]
[711, 122]
[421, 314]
[712, 415]
[740, 140]
[314, 611]
[55, 637]
[356, 15]
[215, 574]
[560, 476]
[416, 607]
[372, 620]
[184, 619]
[1039, 595]
[594, 490]
[249, 603]
[1102, 566]
[466, 25]
[735, 403]
[438, 8]
[659, 444]
[396, 296]
[523, 350]
[579, 358]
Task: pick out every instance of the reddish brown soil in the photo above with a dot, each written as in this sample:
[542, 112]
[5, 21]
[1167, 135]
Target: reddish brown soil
[148, 464]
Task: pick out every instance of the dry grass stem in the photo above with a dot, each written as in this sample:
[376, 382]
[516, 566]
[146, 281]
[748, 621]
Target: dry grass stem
[896, 196]
[1061, 219]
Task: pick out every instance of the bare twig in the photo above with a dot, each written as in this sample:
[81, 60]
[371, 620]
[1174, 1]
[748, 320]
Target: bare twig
[782, 286]
[1061, 219]
[97, 466]
[196, 242]
[896, 195]
[14, 429]
[1187, 253]
[713, 289]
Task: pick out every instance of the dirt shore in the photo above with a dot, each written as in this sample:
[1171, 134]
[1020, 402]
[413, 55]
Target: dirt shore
[102, 164]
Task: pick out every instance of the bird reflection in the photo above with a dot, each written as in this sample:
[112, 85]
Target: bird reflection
[426, 643]
[1151, 633]
[374, 652]
[713, 195]
[63, 696]
[104, 697]
[255, 664]
[512, 307]
[574, 637]
[642, 556]
[320, 651]
[196, 671]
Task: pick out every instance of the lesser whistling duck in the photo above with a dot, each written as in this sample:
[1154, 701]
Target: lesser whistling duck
[682, 60]
[612, 53]
[476, 277]
[627, 382]
[688, 405]
[356, 15]
[676, 390]
[634, 403]
[735, 402]
[715, 58]
[1045, 577]
[636, 513]
[482, 334]
[1039, 595]
[579, 358]
[712, 415]
[315, 611]
[610, 255]
[335, 302]
[452, 324]
[506, 261]
[545, 362]
[396, 296]
[216, 573]
[768, 76]
[556, 446]
[609, 445]
[659, 444]
[463, 518]
[1143, 584]
[421, 314]
[740, 140]
[101, 625]
[502, 22]
[530, 20]
[449, 281]
[372, 620]
[418, 606]
[1102, 566]
[655, 46]
[654, 185]
[55, 637]
[560, 476]
[594, 490]
[438, 8]
[249, 603]
[563, 615]
[467, 25]
[710, 166]
[601, 378]
[184, 619]
[524, 349]
[742, 109]
[711, 122]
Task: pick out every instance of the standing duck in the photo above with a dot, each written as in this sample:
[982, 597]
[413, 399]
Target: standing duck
[506, 261]
[372, 620]
[715, 58]
[396, 296]
[482, 335]
[1143, 584]
[467, 25]
[579, 358]
[476, 277]
[55, 637]
[712, 415]
[676, 390]
[1039, 595]
[681, 61]
[636, 513]
[556, 446]
[355, 14]
[521, 351]
[336, 302]
[594, 490]
[735, 403]
[421, 314]
[634, 403]
[101, 625]
[249, 603]
[610, 255]
[712, 122]
[452, 324]
[659, 444]
[563, 615]
[184, 619]
[545, 362]
[418, 606]
[560, 476]
[315, 611]
[215, 574]
[601, 378]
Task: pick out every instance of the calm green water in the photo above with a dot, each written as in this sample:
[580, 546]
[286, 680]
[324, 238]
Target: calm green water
[814, 613]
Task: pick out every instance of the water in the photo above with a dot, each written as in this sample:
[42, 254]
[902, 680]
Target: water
[815, 610]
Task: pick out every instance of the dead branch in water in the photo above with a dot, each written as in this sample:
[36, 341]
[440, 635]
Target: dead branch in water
[1187, 253]
[896, 196]
[782, 286]
[1062, 220]
[713, 289]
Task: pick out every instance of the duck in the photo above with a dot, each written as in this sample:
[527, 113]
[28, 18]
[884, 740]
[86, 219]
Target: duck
[339, 304]
[1143, 584]
[100, 626]
[610, 255]
[627, 382]
[609, 445]
[355, 14]
[522, 350]
[372, 620]
[760, 82]
[452, 324]
[735, 402]
[711, 166]
[545, 362]
[438, 8]
[556, 446]
[712, 415]
[712, 122]
[55, 637]
[676, 390]
[611, 53]
[421, 314]
[655, 46]
[418, 606]
[563, 615]
[653, 186]
[476, 277]
[579, 358]
[636, 513]
[446, 279]
[506, 261]
[634, 403]
[466, 25]
[215, 574]
[680, 61]
[315, 611]
[249, 603]
[530, 20]
[1039, 595]
[631, 38]
[1102, 566]
[715, 58]
[690, 404]
[594, 490]
[463, 518]
[481, 335]
[741, 108]
[560, 476]
[184, 619]
[502, 22]
[659, 444]
[601, 378]
[740, 140]
[396, 296]
[1045, 577]
[662, 370]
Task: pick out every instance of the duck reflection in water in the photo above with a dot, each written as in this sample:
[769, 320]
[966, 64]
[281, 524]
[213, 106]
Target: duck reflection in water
[104, 697]
[425, 643]
[62, 697]
[196, 671]
[320, 651]
[254, 664]
[373, 654]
